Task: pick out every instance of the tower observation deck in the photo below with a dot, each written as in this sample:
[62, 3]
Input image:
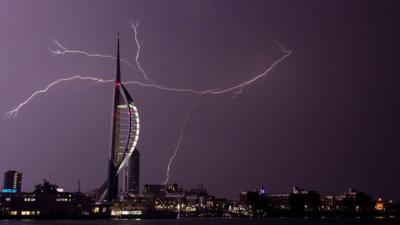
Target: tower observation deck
[125, 133]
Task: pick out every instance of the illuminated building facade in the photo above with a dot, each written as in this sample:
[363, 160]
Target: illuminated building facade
[12, 181]
[46, 201]
[125, 133]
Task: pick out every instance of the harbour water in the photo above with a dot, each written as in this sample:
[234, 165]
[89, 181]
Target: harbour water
[212, 221]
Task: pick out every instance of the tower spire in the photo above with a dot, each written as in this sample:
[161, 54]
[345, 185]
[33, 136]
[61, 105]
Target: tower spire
[125, 133]
[118, 78]
[112, 190]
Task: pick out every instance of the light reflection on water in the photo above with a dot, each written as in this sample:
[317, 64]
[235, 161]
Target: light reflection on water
[214, 221]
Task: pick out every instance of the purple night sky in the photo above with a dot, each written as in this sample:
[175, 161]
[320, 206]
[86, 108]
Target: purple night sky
[325, 119]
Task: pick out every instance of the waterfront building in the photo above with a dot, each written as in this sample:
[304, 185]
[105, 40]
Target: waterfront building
[47, 201]
[332, 202]
[278, 201]
[156, 191]
[304, 201]
[12, 181]
[357, 202]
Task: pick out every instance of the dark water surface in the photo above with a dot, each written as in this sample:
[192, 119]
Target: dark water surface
[209, 221]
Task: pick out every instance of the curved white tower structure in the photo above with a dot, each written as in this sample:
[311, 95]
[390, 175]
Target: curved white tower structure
[125, 133]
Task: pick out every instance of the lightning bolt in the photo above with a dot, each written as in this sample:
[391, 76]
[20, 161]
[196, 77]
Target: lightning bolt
[236, 89]
[139, 49]
[13, 112]
[178, 143]
[63, 51]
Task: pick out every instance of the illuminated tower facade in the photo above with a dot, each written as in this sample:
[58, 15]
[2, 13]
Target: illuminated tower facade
[125, 132]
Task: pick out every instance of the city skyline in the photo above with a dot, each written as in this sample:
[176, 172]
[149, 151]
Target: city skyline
[171, 201]
[325, 118]
[12, 182]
